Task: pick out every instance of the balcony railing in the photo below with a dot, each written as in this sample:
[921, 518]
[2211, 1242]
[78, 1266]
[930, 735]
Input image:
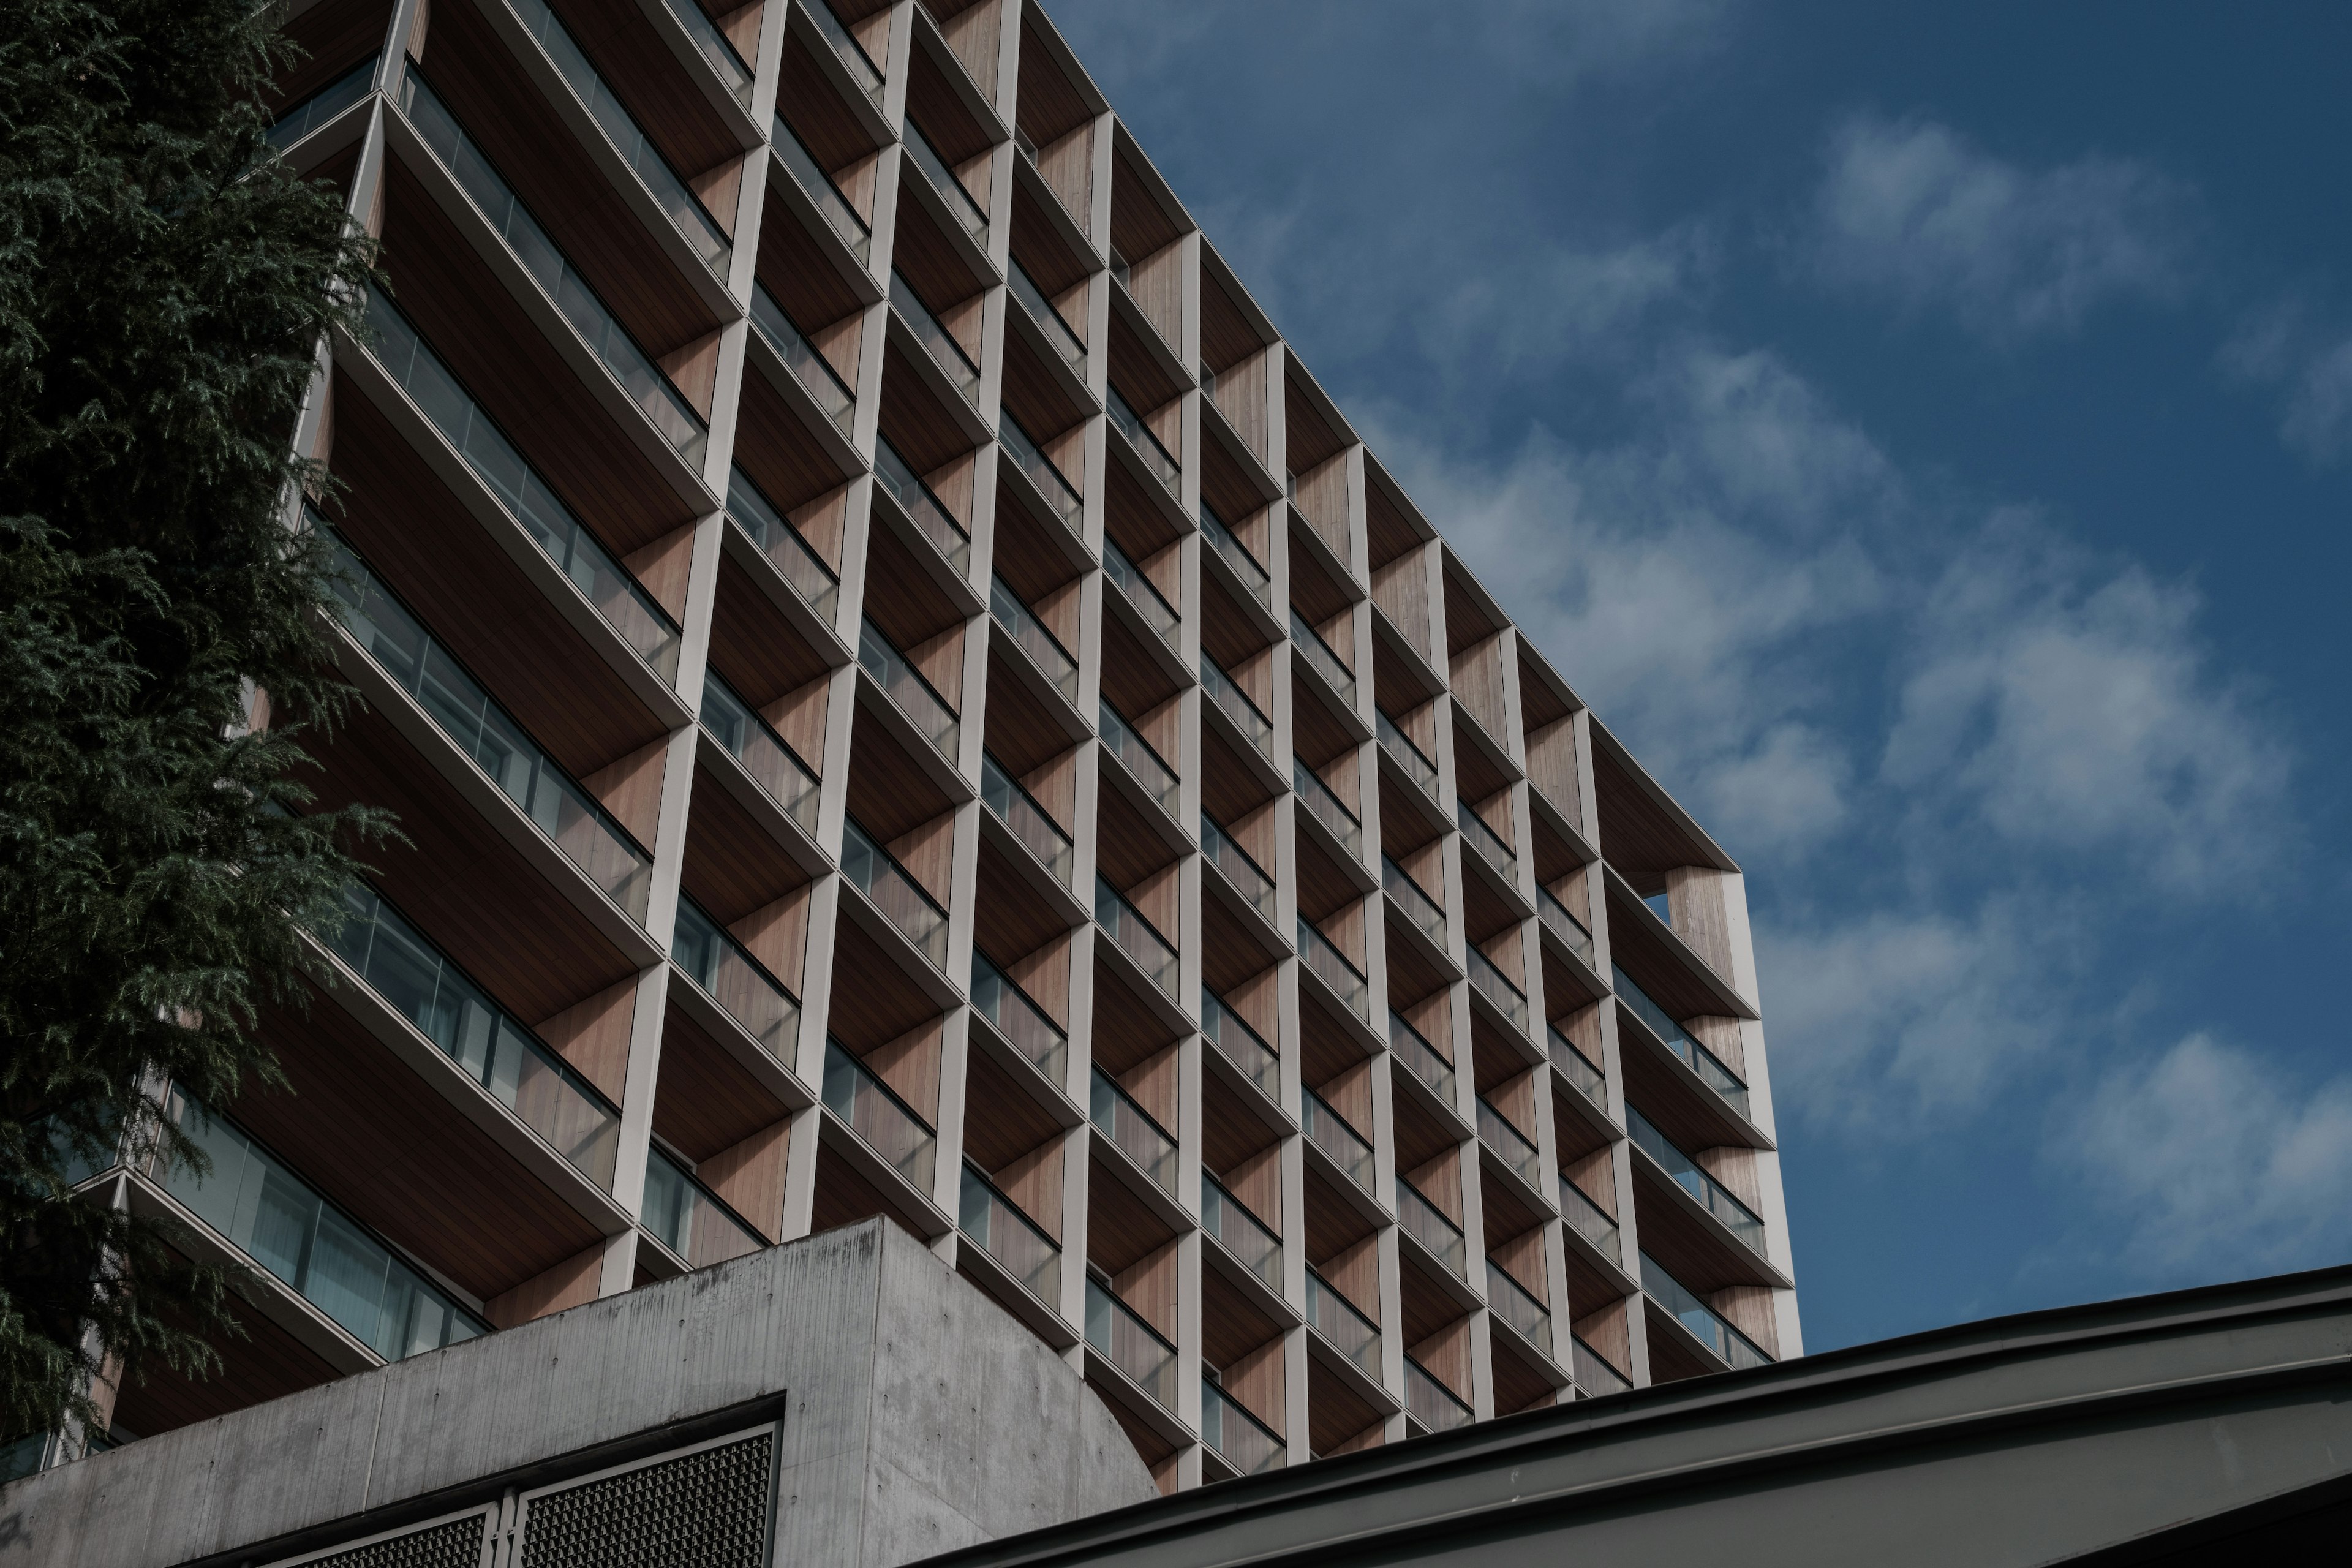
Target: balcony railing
[1241, 1233]
[1027, 821]
[1579, 1069]
[689, 1218]
[924, 510]
[1054, 661]
[739, 983]
[1485, 840]
[1563, 925]
[752, 741]
[1242, 1441]
[1235, 703]
[1130, 1344]
[1236, 555]
[873, 871]
[1511, 1146]
[942, 178]
[1048, 319]
[945, 351]
[1710, 1328]
[1406, 755]
[1132, 1130]
[300, 120]
[1146, 766]
[1515, 1305]
[996, 1223]
[693, 221]
[1325, 807]
[818, 187]
[1421, 1058]
[915, 697]
[1594, 1374]
[625, 604]
[661, 401]
[1681, 1042]
[1140, 439]
[883, 1122]
[1232, 862]
[733, 73]
[570, 818]
[1422, 1220]
[853, 55]
[1129, 579]
[811, 369]
[1331, 967]
[1429, 1402]
[1351, 1332]
[1041, 471]
[1322, 660]
[1736, 1217]
[1135, 937]
[1585, 1218]
[781, 543]
[277, 1219]
[1241, 1045]
[1418, 907]
[1329, 1132]
[1015, 1014]
[1491, 983]
[413, 978]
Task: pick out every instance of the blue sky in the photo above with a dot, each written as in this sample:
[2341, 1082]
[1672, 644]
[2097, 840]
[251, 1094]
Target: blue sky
[1927, 437]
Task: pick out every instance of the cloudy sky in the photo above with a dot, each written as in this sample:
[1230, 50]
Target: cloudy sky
[1925, 435]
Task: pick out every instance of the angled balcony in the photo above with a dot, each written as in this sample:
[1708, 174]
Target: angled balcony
[1317, 655]
[1596, 1375]
[1513, 1148]
[1027, 821]
[1419, 909]
[895, 894]
[915, 698]
[1243, 1442]
[884, 1125]
[1330, 965]
[1150, 771]
[1137, 591]
[810, 371]
[1029, 459]
[1721, 1346]
[765, 754]
[1581, 1072]
[1055, 664]
[1332, 1135]
[1355, 1336]
[817, 188]
[938, 346]
[723, 970]
[1315, 797]
[1244, 1237]
[1427, 1224]
[923, 511]
[1429, 1402]
[1660, 1026]
[1495, 989]
[1227, 698]
[1152, 953]
[1244, 875]
[1247, 572]
[1518, 1309]
[692, 1223]
[863, 73]
[1019, 1021]
[997, 1225]
[1154, 458]
[1142, 1353]
[1241, 1044]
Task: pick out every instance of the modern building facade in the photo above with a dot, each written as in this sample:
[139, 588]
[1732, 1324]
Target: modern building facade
[906, 698]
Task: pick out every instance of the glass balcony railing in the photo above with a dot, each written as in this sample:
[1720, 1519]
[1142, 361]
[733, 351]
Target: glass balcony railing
[693, 221]
[871, 870]
[1318, 657]
[1049, 319]
[446, 403]
[1236, 555]
[1241, 1233]
[1132, 1130]
[1040, 470]
[1513, 1147]
[884, 1122]
[811, 369]
[852, 54]
[1130, 1344]
[413, 978]
[1429, 1402]
[1485, 840]
[943, 180]
[997, 1225]
[915, 697]
[300, 119]
[945, 351]
[1245, 876]
[818, 187]
[1681, 1041]
[1422, 1220]
[1579, 1069]
[1235, 704]
[570, 818]
[1054, 661]
[1019, 811]
[727, 972]
[689, 1218]
[1145, 444]
[781, 543]
[1744, 1222]
[1135, 937]
[774, 765]
[1585, 1218]
[713, 46]
[1421, 1058]
[1405, 754]
[924, 510]
[1351, 1332]
[1329, 966]
[1146, 766]
[1490, 982]
[651, 391]
[1563, 925]
[1241, 1044]
[1326, 808]
[1710, 1328]
[1013, 1014]
[1515, 1305]
[1418, 907]
[1329, 1132]
[262, 1208]
[1242, 1441]
[1594, 1374]
[1136, 589]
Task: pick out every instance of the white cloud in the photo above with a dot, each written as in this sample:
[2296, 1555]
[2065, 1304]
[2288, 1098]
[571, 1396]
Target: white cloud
[1912, 211]
[1532, 309]
[2311, 366]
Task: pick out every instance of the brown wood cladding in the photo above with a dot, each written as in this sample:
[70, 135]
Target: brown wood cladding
[259, 1362]
[1122, 1230]
[795, 268]
[1013, 918]
[762, 655]
[1039, 249]
[733, 864]
[1338, 1419]
[921, 254]
[705, 1104]
[1139, 225]
[786, 463]
[889, 792]
[867, 1015]
[1005, 1121]
[1035, 399]
[808, 105]
[914, 422]
[334, 36]
[844, 1197]
[1136, 373]
[636, 61]
[1517, 1386]
[1655, 967]
[1639, 837]
[1049, 106]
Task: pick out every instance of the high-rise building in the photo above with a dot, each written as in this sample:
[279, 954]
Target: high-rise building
[905, 696]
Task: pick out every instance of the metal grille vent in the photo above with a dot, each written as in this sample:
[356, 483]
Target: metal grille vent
[456, 1544]
[708, 1510]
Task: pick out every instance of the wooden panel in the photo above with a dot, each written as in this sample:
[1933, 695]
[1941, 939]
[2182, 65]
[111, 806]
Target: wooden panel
[636, 63]
[1232, 1328]
[259, 1362]
[571, 1283]
[1476, 679]
[795, 267]
[1021, 733]
[334, 36]
[921, 253]
[1401, 589]
[914, 421]
[910, 1066]
[705, 1102]
[844, 1197]
[1068, 167]
[1390, 532]
[785, 462]
[1343, 1246]
[901, 597]
[1129, 851]
[889, 795]
[1134, 681]
[1139, 225]
[594, 1037]
[1517, 1386]
[1602, 1326]
[1121, 1231]
[1420, 1139]
[865, 1015]
[1039, 249]
[1241, 397]
[1126, 1031]
[1338, 1419]
[805, 98]
[1318, 595]
[749, 1177]
[1003, 1123]
[1324, 890]
[937, 111]
[1049, 106]
[1039, 404]
[1466, 620]
[1237, 1147]
[1310, 441]
[1655, 967]
[1013, 918]
[1638, 835]
[733, 865]
[1136, 374]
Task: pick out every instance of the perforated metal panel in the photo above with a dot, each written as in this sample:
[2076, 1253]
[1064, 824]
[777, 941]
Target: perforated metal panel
[706, 1510]
[456, 1544]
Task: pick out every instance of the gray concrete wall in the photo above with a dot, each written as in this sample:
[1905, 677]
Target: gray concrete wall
[920, 1418]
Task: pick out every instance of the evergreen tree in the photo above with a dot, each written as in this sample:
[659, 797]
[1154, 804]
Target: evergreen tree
[163, 287]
